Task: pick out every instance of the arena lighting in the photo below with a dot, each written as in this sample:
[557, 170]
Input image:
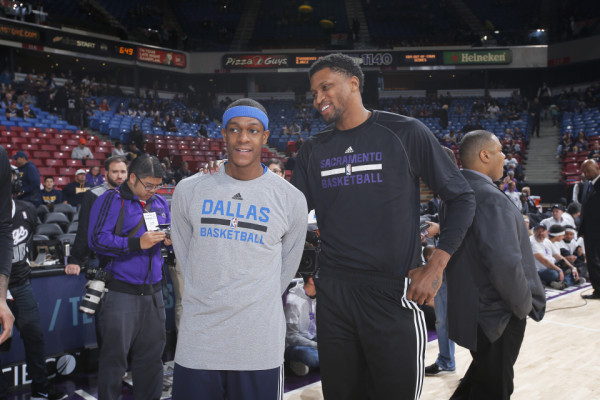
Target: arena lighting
[326, 23]
[305, 9]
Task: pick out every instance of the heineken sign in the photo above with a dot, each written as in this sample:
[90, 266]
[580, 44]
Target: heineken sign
[478, 57]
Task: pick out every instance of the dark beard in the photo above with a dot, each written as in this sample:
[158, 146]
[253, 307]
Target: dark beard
[111, 183]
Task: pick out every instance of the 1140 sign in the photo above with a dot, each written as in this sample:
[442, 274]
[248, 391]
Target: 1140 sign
[376, 59]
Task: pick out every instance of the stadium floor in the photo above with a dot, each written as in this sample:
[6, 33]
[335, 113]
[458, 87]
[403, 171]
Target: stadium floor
[554, 355]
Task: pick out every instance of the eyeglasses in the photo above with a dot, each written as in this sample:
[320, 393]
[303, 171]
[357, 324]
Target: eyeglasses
[277, 171]
[148, 186]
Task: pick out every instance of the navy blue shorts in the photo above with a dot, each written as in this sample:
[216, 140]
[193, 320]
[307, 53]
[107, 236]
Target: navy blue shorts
[202, 384]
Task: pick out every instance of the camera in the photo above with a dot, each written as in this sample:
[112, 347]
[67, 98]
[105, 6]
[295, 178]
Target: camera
[94, 289]
[166, 228]
[309, 263]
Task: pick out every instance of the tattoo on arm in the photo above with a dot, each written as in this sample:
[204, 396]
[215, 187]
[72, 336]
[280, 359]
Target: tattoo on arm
[436, 283]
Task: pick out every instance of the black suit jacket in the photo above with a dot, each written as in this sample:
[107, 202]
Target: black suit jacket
[492, 275]
[590, 224]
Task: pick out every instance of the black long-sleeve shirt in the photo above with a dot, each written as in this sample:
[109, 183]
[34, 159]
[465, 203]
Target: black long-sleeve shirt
[80, 250]
[6, 239]
[364, 186]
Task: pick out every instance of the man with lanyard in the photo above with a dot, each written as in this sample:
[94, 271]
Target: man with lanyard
[361, 175]
[238, 237]
[124, 231]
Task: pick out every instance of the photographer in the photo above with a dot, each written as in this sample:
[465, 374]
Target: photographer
[125, 233]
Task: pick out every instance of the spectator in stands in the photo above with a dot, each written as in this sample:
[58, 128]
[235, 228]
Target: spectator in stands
[433, 206]
[290, 164]
[94, 177]
[276, 166]
[558, 217]
[595, 152]
[104, 106]
[24, 305]
[137, 136]
[550, 274]
[73, 192]
[82, 152]
[26, 112]
[535, 110]
[510, 160]
[301, 327]
[513, 195]
[30, 178]
[573, 249]
[450, 139]
[118, 150]
[306, 125]
[49, 196]
[581, 143]
[169, 178]
[443, 115]
[574, 213]
[527, 203]
[133, 152]
[554, 113]
[295, 129]
[170, 124]
[12, 111]
[556, 234]
[183, 172]
[202, 132]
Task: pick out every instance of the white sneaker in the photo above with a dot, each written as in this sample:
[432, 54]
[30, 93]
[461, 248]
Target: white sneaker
[299, 368]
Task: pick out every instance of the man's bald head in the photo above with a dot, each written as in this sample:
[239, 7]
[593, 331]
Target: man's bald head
[472, 144]
[481, 151]
[590, 169]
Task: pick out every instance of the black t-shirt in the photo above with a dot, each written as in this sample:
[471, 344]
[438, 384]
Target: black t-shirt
[24, 223]
[364, 186]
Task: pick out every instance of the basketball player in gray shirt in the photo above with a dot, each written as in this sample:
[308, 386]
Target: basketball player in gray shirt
[238, 237]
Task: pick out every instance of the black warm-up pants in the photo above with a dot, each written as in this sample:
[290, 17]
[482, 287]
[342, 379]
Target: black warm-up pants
[490, 375]
[371, 340]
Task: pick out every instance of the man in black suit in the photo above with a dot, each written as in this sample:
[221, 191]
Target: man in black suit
[590, 224]
[492, 280]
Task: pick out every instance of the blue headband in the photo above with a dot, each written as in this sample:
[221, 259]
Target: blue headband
[246, 111]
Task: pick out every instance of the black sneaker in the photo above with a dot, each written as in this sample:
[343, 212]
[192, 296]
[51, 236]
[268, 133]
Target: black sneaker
[435, 370]
[593, 296]
[48, 393]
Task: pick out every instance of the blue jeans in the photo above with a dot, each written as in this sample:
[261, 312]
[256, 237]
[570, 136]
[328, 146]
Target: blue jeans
[550, 275]
[304, 354]
[445, 359]
[27, 319]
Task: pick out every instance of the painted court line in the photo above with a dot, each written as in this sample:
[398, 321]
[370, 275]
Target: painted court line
[85, 395]
[569, 325]
[302, 389]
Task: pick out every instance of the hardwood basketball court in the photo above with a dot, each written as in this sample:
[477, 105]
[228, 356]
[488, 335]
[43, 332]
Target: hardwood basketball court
[559, 358]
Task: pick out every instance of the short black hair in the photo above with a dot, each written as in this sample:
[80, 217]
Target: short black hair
[48, 177]
[471, 144]
[247, 102]
[340, 63]
[574, 208]
[146, 166]
[114, 159]
[275, 161]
